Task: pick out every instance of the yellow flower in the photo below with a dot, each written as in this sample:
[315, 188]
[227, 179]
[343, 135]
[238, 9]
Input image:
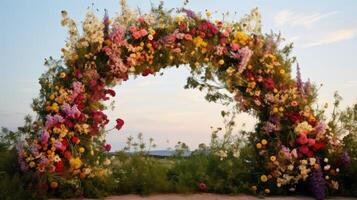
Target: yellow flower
[62, 75]
[275, 110]
[264, 142]
[282, 71]
[258, 145]
[208, 13]
[32, 164]
[281, 109]
[54, 107]
[198, 41]
[221, 62]
[272, 158]
[241, 37]
[275, 90]
[52, 96]
[53, 184]
[75, 163]
[264, 178]
[81, 150]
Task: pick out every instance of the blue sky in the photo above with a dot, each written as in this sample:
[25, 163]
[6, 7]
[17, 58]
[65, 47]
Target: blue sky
[324, 33]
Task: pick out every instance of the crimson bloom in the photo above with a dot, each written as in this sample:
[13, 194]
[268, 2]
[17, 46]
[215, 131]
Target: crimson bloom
[120, 124]
[107, 147]
[202, 186]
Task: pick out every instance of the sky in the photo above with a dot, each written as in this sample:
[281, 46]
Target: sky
[324, 35]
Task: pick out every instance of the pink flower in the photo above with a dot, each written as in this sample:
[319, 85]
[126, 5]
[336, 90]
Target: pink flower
[53, 120]
[120, 124]
[311, 142]
[136, 35]
[141, 19]
[188, 37]
[269, 83]
[234, 46]
[107, 147]
[294, 153]
[143, 32]
[302, 139]
[44, 137]
[71, 112]
[202, 186]
[132, 29]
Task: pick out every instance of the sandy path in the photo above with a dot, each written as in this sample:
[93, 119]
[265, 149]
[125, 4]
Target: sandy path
[207, 196]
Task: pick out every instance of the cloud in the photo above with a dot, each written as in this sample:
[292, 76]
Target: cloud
[333, 37]
[292, 18]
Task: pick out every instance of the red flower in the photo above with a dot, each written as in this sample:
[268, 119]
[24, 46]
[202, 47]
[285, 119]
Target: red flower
[202, 186]
[318, 146]
[107, 147]
[120, 124]
[75, 140]
[110, 92]
[147, 71]
[269, 83]
[294, 117]
[304, 149]
[67, 154]
[59, 166]
[302, 139]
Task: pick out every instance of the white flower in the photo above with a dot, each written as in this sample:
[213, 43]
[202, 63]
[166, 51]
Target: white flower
[325, 160]
[236, 153]
[337, 170]
[303, 127]
[312, 161]
[291, 167]
[327, 167]
[222, 154]
[107, 162]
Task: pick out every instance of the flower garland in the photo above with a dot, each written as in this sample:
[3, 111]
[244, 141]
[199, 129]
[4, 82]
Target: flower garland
[66, 142]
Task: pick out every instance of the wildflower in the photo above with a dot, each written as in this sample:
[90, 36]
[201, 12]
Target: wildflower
[75, 163]
[62, 75]
[258, 145]
[264, 178]
[81, 150]
[107, 147]
[264, 142]
[272, 158]
[202, 186]
[119, 124]
[54, 185]
[221, 62]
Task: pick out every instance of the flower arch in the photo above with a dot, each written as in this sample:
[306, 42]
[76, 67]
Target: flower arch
[66, 140]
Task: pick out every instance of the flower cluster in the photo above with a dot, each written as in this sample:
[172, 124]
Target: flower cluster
[289, 137]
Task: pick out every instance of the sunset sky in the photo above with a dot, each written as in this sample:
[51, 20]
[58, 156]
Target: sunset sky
[324, 34]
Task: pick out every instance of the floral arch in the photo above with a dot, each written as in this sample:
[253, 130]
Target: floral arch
[66, 141]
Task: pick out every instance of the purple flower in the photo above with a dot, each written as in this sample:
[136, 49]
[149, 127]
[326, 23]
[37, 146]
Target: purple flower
[191, 14]
[299, 83]
[53, 120]
[317, 183]
[345, 159]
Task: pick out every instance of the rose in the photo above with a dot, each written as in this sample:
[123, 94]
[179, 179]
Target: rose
[119, 124]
